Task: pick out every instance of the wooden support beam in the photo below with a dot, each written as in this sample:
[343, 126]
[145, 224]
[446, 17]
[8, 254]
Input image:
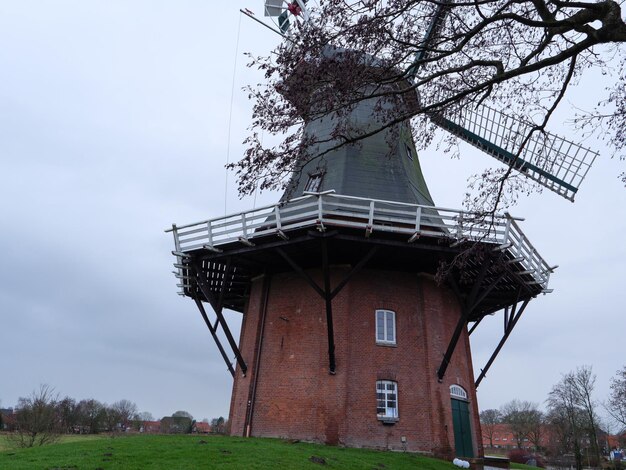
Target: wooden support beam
[353, 271]
[329, 309]
[475, 325]
[486, 292]
[301, 272]
[466, 311]
[214, 334]
[217, 304]
[511, 325]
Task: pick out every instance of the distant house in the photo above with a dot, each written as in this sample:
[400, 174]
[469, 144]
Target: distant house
[151, 427]
[503, 438]
[201, 428]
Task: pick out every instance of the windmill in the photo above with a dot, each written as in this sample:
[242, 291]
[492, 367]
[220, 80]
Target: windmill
[346, 336]
[552, 161]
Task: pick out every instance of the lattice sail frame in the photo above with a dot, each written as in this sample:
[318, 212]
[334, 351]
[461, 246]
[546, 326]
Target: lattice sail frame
[552, 161]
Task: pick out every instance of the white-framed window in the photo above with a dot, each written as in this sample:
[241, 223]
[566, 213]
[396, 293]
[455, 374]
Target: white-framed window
[456, 391]
[387, 400]
[314, 183]
[385, 327]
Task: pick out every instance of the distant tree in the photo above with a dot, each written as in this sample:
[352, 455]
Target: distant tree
[572, 412]
[218, 425]
[145, 416]
[140, 418]
[517, 55]
[91, 416]
[36, 417]
[616, 406]
[488, 421]
[67, 410]
[110, 420]
[535, 427]
[521, 416]
[123, 410]
[177, 424]
[182, 414]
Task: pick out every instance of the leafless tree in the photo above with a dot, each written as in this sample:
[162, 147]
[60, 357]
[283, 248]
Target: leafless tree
[572, 406]
[524, 419]
[535, 428]
[518, 55]
[124, 410]
[145, 416]
[37, 422]
[489, 419]
[617, 400]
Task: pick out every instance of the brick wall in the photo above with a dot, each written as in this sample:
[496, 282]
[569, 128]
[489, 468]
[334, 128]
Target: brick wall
[297, 398]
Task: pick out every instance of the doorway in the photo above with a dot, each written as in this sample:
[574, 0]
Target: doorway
[461, 422]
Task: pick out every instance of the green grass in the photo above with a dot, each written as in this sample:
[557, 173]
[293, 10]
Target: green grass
[194, 452]
[6, 444]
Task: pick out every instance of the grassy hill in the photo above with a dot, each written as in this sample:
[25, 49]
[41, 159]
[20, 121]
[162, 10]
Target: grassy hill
[205, 452]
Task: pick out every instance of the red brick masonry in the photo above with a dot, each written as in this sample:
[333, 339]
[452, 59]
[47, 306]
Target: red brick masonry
[297, 398]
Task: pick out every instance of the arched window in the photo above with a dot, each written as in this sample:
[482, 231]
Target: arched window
[387, 400]
[456, 391]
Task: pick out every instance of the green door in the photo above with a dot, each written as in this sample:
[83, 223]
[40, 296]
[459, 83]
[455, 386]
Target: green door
[462, 430]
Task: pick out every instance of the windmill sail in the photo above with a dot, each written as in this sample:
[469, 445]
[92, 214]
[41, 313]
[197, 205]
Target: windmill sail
[552, 161]
[548, 159]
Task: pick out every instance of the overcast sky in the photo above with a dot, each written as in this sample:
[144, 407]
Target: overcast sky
[114, 123]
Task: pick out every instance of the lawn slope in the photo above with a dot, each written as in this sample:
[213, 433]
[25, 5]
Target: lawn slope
[205, 452]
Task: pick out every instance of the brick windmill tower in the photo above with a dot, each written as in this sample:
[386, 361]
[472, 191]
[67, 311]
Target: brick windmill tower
[346, 336]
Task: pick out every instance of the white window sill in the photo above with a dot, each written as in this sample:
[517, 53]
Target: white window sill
[385, 343]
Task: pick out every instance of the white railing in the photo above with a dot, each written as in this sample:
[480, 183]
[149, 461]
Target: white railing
[371, 215]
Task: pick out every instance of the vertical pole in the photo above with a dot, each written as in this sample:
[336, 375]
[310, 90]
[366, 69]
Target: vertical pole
[247, 428]
[320, 208]
[329, 308]
[418, 218]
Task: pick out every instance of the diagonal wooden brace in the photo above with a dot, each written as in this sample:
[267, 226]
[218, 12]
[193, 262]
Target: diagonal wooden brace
[468, 307]
[217, 304]
[214, 334]
[511, 324]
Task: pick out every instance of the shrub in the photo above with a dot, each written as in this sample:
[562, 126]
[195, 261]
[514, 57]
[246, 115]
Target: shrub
[523, 456]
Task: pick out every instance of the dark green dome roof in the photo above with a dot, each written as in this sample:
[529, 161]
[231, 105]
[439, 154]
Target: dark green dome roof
[382, 166]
